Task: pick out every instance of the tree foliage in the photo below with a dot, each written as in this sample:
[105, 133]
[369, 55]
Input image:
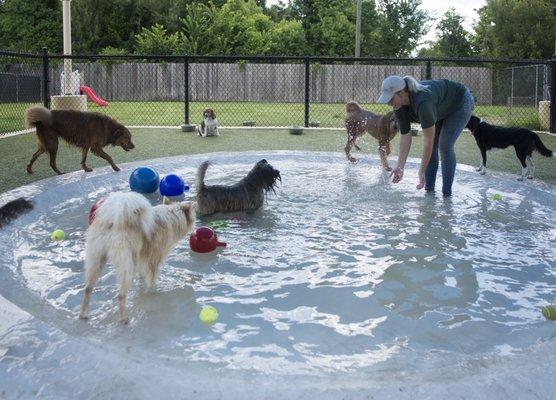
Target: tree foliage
[516, 29]
[452, 38]
[505, 28]
[30, 25]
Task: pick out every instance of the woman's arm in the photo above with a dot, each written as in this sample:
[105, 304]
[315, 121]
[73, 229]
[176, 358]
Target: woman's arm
[405, 145]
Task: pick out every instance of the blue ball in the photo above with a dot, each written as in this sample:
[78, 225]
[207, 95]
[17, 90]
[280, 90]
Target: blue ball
[172, 185]
[144, 180]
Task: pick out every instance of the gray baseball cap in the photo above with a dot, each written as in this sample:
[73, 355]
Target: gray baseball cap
[390, 86]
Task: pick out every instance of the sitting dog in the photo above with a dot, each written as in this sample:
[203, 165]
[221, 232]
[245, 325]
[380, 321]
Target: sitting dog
[209, 126]
[247, 194]
[381, 127]
[133, 236]
[13, 209]
[523, 140]
[86, 130]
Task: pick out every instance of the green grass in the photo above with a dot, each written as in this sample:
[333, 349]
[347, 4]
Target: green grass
[264, 114]
[16, 151]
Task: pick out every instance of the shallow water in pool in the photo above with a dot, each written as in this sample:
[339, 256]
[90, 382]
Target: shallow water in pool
[340, 272]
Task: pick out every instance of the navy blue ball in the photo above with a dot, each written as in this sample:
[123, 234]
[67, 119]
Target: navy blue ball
[144, 180]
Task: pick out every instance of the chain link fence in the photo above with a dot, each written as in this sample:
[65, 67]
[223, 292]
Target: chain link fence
[259, 91]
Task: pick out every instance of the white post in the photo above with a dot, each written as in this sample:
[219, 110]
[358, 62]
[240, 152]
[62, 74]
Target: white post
[358, 30]
[66, 17]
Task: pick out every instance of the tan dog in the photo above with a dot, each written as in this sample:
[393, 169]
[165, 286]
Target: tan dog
[86, 130]
[381, 127]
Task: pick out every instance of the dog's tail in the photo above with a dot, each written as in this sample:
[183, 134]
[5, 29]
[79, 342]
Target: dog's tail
[125, 212]
[201, 172]
[541, 148]
[36, 116]
[13, 209]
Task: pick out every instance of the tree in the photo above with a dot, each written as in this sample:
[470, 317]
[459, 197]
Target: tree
[241, 28]
[516, 29]
[196, 29]
[30, 25]
[401, 27]
[155, 41]
[452, 38]
[286, 38]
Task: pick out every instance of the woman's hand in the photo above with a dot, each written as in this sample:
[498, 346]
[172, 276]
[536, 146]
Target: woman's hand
[421, 176]
[396, 174]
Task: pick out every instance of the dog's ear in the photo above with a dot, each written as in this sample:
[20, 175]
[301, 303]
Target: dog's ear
[189, 208]
[352, 106]
[166, 200]
[212, 113]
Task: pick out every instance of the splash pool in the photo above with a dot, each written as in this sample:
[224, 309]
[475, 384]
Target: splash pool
[342, 285]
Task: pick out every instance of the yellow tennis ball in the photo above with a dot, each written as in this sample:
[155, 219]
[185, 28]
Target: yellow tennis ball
[208, 315]
[497, 197]
[549, 312]
[58, 234]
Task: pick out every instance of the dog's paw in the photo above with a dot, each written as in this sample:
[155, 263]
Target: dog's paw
[387, 168]
[29, 170]
[529, 177]
[352, 159]
[520, 178]
[124, 321]
[480, 168]
[83, 316]
[115, 168]
[87, 169]
[482, 172]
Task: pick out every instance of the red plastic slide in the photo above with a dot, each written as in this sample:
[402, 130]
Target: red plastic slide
[92, 95]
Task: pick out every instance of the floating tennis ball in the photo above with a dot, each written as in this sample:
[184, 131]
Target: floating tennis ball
[58, 234]
[208, 315]
[497, 197]
[549, 312]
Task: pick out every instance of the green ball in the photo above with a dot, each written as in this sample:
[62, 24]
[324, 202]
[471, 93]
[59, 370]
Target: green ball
[497, 197]
[208, 315]
[58, 234]
[549, 312]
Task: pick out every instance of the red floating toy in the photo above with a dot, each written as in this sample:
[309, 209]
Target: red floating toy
[94, 208]
[204, 240]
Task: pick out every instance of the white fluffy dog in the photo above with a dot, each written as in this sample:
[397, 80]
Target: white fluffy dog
[135, 237]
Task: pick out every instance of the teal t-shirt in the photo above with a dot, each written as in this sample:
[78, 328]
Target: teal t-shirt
[440, 99]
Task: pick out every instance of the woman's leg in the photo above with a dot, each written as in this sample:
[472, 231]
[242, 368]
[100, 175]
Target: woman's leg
[451, 129]
[432, 167]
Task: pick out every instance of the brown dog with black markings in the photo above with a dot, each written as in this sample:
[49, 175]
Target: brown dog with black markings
[381, 127]
[86, 130]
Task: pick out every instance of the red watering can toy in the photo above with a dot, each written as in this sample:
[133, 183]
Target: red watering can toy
[204, 240]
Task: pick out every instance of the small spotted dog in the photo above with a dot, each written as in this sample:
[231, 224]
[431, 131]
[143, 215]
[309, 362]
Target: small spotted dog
[381, 127]
[209, 126]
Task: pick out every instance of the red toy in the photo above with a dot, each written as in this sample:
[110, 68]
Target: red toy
[204, 240]
[93, 210]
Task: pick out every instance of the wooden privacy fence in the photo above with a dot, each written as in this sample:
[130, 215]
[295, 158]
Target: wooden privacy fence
[329, 83]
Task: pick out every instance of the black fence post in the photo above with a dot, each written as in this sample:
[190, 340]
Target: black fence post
[45, 79]
[186, 90]
[307, 89]
[429, 70]
[553, 95]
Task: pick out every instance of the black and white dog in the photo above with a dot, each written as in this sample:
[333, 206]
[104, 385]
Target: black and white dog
[523, 140]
